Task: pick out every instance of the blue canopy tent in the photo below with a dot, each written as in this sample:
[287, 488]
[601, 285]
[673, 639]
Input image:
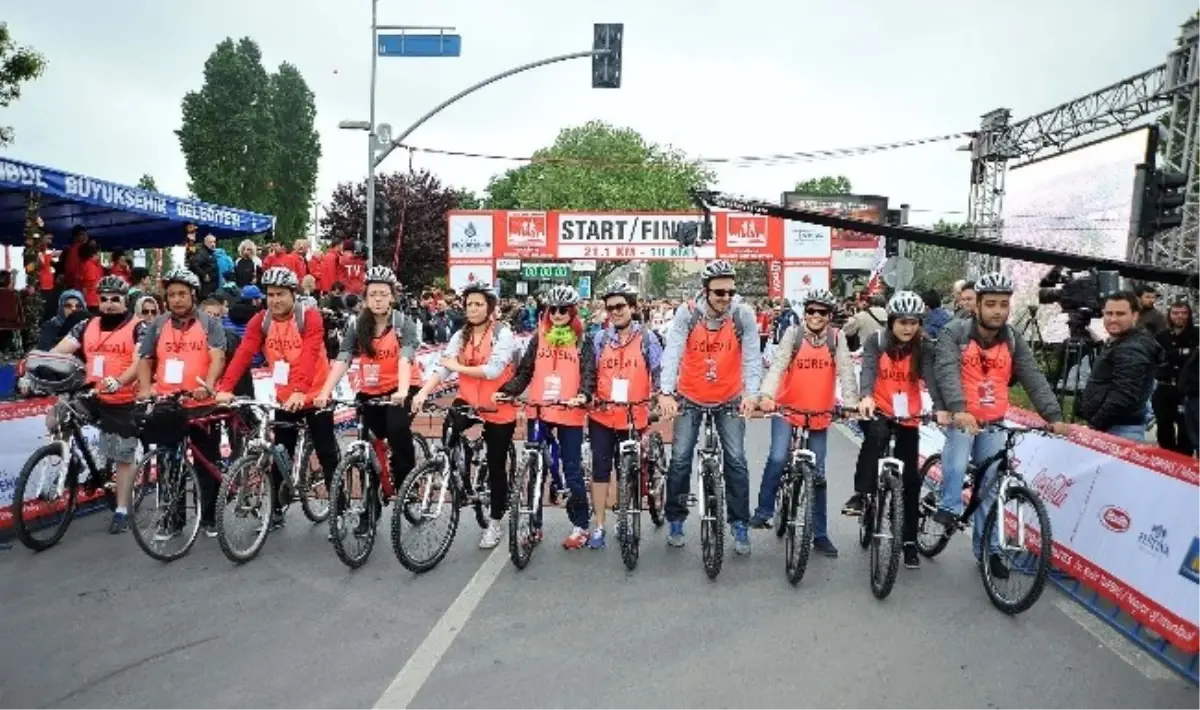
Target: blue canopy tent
[116, 216]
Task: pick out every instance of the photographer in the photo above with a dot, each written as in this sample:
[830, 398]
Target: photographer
[1122, 374]
[1179, 341]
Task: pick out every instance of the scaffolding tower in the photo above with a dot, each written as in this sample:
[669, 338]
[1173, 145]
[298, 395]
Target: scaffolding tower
[1172, 89]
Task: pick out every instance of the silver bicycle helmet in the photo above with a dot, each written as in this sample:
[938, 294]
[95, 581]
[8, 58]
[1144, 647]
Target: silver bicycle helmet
[994, 282]
[181, 276]
[113, 284]
[280, 277]
[380, 275]
[561, 295]
[905, 304]
[719, 269]
[620, 288]
[479, 287]
[820, 296]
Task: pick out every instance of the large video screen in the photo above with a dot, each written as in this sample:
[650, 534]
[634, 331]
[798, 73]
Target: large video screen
[1078, 201]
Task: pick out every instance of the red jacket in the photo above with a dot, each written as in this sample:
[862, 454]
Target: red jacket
[352, 271]
[88, 278]
[295, 262]
[330, 271]
[312, 344]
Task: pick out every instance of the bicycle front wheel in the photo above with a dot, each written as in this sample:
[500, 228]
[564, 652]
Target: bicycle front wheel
[885, 541]
[798, 521]
[354, 510]
[422, 503]
[712, 529]
[42, 513]
[1030, 561]
[521, 514]
[656, 479]
[314, 493]
[244, 504]
[629, 511]
[165, 517]
[931, 537]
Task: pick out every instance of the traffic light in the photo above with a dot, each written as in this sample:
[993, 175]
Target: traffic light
[383, 219]
[606, 67]
[1159, 198]
[891, 247]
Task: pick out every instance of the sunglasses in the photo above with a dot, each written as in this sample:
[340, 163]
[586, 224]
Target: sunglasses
[110, 299]
[559, 310]
[617, 307]
[723, 292]
[823, 312]
[149, 311]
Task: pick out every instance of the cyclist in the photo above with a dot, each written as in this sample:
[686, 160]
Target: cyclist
[291, 336]
[977, 357]
[178, 348]
[811, 361]
[711, 358]
[109, 344]
[382, 341]
[895, 361]
[552, 370]
[481, 354]
[626, 367]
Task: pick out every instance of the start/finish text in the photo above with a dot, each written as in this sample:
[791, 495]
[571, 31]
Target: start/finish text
[617, 229]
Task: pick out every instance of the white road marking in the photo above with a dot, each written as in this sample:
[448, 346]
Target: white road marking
[424, 660]
[1143, 662]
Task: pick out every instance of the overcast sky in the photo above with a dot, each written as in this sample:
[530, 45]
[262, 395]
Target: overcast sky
[710, 77]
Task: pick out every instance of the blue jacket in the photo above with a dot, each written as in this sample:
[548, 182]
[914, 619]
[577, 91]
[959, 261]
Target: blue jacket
[225, 265]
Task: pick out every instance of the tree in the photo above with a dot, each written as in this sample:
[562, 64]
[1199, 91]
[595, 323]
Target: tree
[18, 65]
[417, 204]
[297, 152]
[146, 182]
[827, 185]
[937, 268]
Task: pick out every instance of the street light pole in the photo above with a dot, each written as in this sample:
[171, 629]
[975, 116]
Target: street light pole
[370, 228]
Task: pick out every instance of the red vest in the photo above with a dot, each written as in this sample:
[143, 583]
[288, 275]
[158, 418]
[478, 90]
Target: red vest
[623, 362]
[809, 383]
[189, 347]
[561, 364]
[110, 355]
[716, 353]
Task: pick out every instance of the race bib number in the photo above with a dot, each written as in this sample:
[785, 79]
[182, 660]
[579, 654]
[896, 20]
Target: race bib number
[281, 372]
[620, 390]
[900, 405]
[370, 375]
[173, 372]
[551, 388]
[98, 366]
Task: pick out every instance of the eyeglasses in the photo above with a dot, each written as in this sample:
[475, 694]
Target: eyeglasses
[559, 310]
[149, 311]
[617, 308]
[723, 292]
[110, 299]
[823, 312]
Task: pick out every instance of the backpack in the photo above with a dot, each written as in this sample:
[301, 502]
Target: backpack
[599, 340]
[398, 321]
[695, 315]
[831, 341]
[300, 311]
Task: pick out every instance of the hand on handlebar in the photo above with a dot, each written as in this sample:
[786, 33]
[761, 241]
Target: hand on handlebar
[966, 422]
[321, 401]
[498, 397]
[224, 397]
[943, 418]
[747, 407]
[667, 406]
[110, 385]
[1059, 428]
[576, 401]
[418, 400]
[767, 404]
[866, 407]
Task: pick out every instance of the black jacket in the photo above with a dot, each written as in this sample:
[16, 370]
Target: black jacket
[203, 263]
[1121, 380]
[1177, 347]
[246, 272]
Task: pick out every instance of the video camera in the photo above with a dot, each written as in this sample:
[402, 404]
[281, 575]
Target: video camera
[1077, 291]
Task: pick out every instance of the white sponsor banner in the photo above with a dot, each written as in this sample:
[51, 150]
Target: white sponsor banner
[470, 236]
[618, 229]
[853, 259]
[635, 251]
[584, 265]
[508, 264]
[799, 280]
[23, 430]
[463, 274]
[806, 241]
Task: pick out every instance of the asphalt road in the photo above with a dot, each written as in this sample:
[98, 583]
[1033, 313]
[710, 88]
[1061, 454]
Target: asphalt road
[95, 623]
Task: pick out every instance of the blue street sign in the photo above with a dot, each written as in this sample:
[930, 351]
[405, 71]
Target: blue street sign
[423, 45]
[585, 287]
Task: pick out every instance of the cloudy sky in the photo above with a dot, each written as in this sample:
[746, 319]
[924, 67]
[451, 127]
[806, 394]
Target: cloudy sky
[712, 78]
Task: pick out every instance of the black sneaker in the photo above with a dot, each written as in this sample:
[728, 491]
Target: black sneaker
[825, 546]
[946, 519]
[278, 520]
[760, 523]
[118, 524]
[854, 506]
[997, 567]
[912, 560]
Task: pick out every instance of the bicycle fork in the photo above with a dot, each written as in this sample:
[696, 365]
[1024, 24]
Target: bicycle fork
[1002, 489]
[885, 463]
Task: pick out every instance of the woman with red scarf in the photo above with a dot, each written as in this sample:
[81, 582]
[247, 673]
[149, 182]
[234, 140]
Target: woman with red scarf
[552, 371]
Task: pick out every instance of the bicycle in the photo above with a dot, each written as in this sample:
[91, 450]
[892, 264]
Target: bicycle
[711, 501]
[638, 480]
[883, 512]
[167, 476]
[252, 470]
[444, 483]
[794, 497]
[1008, 485]
[57, 490]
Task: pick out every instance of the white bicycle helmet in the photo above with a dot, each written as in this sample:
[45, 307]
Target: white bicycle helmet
[994, 282]
[621, 288]
[280, 277]
[113, 284]
[561, 295]
[181, 276]
[820, 296]
[380, 275]
[479, 287]
[905, 304]
[719, 269]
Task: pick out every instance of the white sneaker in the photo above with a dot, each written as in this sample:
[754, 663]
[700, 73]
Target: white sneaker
[491, 536]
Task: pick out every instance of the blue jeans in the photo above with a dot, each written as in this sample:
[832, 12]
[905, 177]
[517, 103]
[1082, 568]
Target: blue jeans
[781, 439]
[731, 429]
[960, 449]
[1133, 432]
[570, 439]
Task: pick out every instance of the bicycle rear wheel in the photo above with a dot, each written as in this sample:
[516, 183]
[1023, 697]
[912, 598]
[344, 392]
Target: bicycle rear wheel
[712, 528]
[421, 503]
[521, 514]
[42, 521]
[798, 521]
[656, 479]
[314, 493]
[354, 510]
[931, 537]
[629, 511]
[889, 523]
[165, 517]
[1021, 562]
[245, 495]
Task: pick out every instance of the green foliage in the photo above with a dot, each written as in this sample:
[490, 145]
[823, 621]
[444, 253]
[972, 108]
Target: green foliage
[248, 137]
[659, 275]
[146, 182]
[18, 64]
[937, 268]
[826, 185]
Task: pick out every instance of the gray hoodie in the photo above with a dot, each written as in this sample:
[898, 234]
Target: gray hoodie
[843, 364]
[677, 335]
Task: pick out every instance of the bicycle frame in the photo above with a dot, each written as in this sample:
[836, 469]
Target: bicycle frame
[453, 441]
[1006, 477]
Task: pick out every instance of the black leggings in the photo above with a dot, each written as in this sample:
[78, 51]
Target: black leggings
[207, 440]
[498, 438]
[866, 473]
[394, 425]
[320, 432]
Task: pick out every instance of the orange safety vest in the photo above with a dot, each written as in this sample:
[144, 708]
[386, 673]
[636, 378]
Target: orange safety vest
[623, 361]
[384, 368]
[809, 383]
[477, 391]
[725, 352]
[110, 355]
[285, 346]
[892, 378]
[985, 378]
[189, 347]
[563, 364]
